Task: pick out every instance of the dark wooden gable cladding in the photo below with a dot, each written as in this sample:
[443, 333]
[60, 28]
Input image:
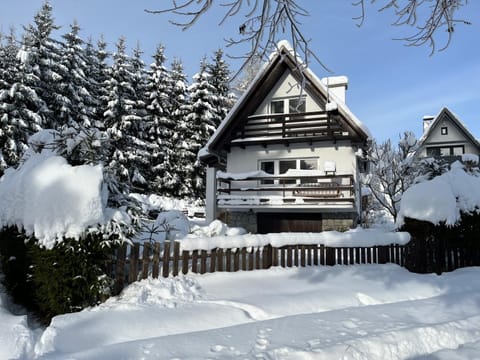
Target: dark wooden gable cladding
[245, 129]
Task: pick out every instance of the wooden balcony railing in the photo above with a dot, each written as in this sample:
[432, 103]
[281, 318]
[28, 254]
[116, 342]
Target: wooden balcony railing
[311, 188]
[319, 124]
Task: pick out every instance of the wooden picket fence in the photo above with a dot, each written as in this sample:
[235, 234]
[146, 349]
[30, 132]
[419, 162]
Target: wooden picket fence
[139, 261]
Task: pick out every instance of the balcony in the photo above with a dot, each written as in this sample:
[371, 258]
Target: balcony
[283, 128]
[259, 189]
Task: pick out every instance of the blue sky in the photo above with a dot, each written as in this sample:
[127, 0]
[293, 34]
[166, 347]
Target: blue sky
[391, 86]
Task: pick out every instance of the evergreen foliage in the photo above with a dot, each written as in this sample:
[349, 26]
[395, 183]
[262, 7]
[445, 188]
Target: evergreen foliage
[144, 126]
[67, 278]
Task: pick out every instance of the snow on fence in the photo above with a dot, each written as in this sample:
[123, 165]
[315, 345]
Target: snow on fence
[139, 261]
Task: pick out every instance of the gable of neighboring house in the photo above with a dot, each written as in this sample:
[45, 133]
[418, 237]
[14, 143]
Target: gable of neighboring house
[446, 136]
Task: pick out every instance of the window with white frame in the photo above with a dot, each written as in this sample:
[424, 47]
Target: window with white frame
[293, 105]
[281, 167]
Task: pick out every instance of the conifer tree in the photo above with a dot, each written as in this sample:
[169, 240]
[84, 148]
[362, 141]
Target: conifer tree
[45, 54]
[179, 181]
[80, 109]
[220, 80]
[20, 110]
[202, 122]
[160, 123]
[121, 119]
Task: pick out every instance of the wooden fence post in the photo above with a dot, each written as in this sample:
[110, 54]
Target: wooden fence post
[145, 260]
[133, 262]
[330, 256]
[176, 258]
[156, 261]
[185, 259]
[120, 269]
[383, 254]
[166, 259]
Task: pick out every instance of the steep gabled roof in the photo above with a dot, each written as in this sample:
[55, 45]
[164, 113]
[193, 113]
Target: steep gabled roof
[280, 60]
[445, 113]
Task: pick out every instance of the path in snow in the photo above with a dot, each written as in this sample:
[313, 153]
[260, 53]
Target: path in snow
[355, 312]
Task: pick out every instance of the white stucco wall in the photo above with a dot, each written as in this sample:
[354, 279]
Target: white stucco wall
[246, 160]
[287, 87]
[454, 137]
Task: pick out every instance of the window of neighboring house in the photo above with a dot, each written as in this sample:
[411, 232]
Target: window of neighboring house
[446, 151]
[458, 150]
[444, 130]
[278, 167]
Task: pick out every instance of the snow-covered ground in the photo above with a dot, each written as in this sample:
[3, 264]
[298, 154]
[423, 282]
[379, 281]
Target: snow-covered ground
[342, 312]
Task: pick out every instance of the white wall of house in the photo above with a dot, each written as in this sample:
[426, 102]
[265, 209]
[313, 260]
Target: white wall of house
[287, 87]
[454, 136]
[248, 159]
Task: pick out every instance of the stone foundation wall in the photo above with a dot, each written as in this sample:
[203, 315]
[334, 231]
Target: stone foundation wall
[338, 222]
[246, 220]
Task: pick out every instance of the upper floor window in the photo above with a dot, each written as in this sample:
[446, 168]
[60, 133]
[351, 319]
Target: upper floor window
[444, 130]
[293, 105]
[277, 107]
[296, 105]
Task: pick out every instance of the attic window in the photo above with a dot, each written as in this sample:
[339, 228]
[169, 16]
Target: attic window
[444, 130]
[277, 107]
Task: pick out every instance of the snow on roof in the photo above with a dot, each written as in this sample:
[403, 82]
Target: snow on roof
[51, 199]
[443, 198]
[283, 45]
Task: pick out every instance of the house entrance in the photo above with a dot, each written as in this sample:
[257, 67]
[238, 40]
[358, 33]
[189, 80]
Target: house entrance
[288, 222]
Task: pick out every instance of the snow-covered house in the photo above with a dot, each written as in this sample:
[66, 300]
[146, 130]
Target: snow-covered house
[447, 137]
[288, 155]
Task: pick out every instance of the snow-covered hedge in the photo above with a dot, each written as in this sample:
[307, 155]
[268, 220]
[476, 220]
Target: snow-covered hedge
[443, 199]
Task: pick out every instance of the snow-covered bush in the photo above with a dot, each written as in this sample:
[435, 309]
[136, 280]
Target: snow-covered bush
[442, 213]
[173, 223]
[66, 278]
[59, 224]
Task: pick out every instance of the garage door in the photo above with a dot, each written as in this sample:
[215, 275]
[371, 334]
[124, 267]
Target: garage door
[290, 222]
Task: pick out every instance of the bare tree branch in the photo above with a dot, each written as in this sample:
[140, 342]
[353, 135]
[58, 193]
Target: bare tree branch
[428, 17]
[264, 21]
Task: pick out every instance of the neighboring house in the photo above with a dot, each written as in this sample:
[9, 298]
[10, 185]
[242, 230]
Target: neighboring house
[290, 153]
[445, 136]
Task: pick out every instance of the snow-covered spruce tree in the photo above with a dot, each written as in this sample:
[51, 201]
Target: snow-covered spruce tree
[21, 109]
[179, 180]
[392, 171]
[8, 59]
[140, 157]
[220, 79]
[201, 122]
[98, 73]
[45, 54]
[121, 119]
[80, 110]
[160, 98]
